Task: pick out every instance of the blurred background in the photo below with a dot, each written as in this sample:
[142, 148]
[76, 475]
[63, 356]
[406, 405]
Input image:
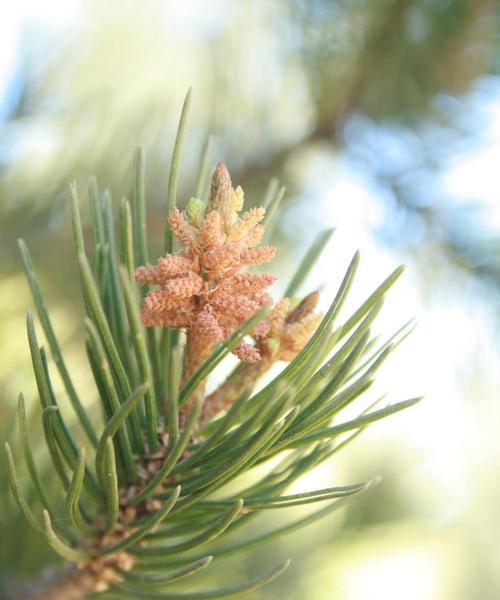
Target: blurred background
[381, 119]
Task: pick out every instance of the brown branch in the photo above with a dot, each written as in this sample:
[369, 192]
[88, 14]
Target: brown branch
[67, 584]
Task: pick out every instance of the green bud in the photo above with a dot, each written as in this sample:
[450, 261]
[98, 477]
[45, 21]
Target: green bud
[195, 209]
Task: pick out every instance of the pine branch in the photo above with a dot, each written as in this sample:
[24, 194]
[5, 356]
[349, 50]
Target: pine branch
[143, 502]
